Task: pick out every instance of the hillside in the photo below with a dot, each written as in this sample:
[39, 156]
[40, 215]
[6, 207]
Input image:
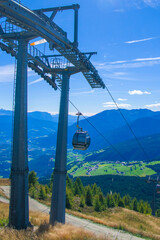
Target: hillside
[43, 230]
[113, 127]
[112, 216]
[130, 150]
[42, 132]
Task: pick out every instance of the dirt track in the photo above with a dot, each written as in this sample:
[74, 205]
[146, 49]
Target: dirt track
[79, 222]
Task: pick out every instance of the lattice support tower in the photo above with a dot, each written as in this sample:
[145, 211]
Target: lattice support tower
[25, 25]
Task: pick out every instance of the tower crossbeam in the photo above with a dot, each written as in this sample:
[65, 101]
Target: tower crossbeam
[35, 22]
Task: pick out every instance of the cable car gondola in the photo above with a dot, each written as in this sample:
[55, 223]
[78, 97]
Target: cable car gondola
[81, 139]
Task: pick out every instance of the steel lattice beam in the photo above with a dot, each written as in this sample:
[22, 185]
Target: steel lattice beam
[29, 20]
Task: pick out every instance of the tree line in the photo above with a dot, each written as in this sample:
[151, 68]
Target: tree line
[86, 196]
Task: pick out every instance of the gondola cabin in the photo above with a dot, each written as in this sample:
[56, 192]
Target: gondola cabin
[81, 140]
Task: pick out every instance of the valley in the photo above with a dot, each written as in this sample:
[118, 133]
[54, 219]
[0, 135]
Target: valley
[125, 172]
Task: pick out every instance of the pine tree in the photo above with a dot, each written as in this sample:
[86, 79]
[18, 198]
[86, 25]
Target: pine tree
[80, 185]
[94, 189]
[69, 198]
[88, 196]
[102, 200]
[112, 203]
[141, 206]
[99, 190]
[118, 198]
[147, 208]
[76, 189]
[32, 178]
[69, 183]
[42, 193]
[115, 196]
[134, 205]
[126, 200]
[108, 201]
[82, 201]
[120, 203]
[47, 189]
[33, 192]
[97, 204]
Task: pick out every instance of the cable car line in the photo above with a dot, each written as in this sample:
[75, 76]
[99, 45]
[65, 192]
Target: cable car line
[137, 140]
[111, 145]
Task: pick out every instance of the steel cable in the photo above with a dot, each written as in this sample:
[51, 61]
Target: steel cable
[137, 140]
[97, 130]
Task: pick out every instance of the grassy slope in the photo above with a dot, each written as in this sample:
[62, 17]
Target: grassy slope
[104, 168]
[121, 218]
[4, 182]
[44, 231]
[136, 223]
[131, 221]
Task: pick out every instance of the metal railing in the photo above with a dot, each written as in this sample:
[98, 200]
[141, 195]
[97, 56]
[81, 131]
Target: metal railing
[36, 53]
[10, 28]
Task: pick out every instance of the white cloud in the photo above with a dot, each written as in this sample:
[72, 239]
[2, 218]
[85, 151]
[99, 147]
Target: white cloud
[152, 3]
[123, 5]
[31, 73]
[146, 59]
[120, 73]
[82, 93]
[122, 99]
[36, 81]
[109, 76]
[117, 62]
[111, 105]
[117, 76]
[7, 73]
[133, 63]
[138, 92]
[154, 105]
[140, 40]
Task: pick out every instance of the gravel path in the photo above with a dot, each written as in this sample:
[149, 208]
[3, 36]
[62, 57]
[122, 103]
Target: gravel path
[79, 222]
[2, 199]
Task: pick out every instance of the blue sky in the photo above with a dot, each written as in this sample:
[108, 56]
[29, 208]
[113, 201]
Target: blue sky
[125, 34]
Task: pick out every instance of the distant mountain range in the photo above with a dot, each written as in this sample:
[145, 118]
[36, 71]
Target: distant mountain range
[112, 126]
[106, 128]
[109, 127]
[53, 118]
[39, 124]
[45, 116]
[130, 151]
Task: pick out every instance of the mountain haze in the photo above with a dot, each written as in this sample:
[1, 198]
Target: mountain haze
[112, 130]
